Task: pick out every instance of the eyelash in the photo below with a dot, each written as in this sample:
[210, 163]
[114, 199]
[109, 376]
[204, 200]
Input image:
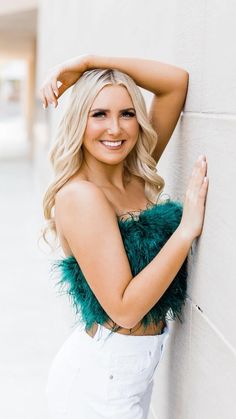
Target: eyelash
[130, 114]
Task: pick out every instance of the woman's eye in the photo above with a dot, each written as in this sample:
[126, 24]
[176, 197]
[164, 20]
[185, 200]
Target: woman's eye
[99, 114]
[125, 114]
[128, 114]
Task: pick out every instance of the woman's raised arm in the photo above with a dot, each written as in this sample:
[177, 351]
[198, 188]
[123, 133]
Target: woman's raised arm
[168, 83]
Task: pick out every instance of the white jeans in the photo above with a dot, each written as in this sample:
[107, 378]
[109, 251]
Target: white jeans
[108, 376]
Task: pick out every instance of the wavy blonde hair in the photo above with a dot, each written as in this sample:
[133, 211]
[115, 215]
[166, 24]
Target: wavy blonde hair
[66, 154]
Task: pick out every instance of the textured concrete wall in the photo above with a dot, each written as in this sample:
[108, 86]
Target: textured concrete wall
[195, 379]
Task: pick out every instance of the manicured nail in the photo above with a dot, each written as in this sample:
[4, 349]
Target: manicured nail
[44, 106]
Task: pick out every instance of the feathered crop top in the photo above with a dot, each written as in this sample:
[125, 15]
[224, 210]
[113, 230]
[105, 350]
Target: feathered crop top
[143, 237]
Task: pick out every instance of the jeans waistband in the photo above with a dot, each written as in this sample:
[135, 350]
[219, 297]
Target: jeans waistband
[103, 334]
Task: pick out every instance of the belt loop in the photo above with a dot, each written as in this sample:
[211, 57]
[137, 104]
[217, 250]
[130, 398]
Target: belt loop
[166, 336]
[102, 334]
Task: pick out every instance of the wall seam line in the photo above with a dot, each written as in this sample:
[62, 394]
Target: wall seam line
[210, 115]
[216, 330]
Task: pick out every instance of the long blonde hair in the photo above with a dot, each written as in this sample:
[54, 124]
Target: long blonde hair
[66, 154]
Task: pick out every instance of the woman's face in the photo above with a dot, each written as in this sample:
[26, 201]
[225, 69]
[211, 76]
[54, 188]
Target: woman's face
[112, 128]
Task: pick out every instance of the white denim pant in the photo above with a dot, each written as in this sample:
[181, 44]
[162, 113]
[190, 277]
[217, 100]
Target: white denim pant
[108, 376]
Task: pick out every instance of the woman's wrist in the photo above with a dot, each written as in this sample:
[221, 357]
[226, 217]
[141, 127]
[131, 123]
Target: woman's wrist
[185, 235]
[80, 64]
[97, 61]
[87, 61]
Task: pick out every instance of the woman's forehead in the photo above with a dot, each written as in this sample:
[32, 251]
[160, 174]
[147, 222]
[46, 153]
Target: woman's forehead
[113, 94]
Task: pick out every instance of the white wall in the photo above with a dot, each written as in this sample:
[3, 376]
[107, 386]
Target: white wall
[195, 379]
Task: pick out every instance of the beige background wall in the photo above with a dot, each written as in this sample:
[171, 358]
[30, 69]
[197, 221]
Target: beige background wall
[11, 6]
[195, 380]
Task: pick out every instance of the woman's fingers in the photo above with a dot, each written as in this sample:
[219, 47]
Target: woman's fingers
[49, 92]
[47, 96]
[50, 95]
[43, 98]
[195, 197]
[66, 73]
[198, 174]
[54, 86]
[204, 187]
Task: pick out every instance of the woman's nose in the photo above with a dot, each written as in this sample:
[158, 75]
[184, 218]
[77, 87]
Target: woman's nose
[114, 128]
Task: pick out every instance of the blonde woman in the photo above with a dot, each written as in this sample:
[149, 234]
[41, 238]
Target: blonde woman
[125, 263]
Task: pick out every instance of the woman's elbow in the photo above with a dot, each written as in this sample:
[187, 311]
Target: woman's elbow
[127, 321]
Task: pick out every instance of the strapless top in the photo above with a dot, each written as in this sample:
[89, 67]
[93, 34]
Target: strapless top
[143, 237]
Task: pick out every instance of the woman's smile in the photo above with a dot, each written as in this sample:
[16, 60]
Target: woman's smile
[112, 145]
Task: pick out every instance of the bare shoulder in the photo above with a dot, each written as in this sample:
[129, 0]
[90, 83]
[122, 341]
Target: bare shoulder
[89, 224]
[73, 189]
[81, 198]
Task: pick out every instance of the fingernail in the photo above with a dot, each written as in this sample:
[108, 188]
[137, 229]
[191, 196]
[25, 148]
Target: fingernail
[44, 106]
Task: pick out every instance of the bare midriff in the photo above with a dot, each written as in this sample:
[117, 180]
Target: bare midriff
[139, 330]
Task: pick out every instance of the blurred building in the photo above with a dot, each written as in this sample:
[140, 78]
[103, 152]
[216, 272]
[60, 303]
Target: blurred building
[18, 28]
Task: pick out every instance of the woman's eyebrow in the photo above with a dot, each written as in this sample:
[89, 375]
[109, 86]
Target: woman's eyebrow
[108, 110]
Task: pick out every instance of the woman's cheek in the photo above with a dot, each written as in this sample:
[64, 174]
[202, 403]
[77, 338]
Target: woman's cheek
[95, 129]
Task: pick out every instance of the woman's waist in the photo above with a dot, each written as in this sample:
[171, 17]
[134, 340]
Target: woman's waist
[138, 330]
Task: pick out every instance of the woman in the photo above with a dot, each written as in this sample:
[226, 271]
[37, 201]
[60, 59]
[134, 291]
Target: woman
[125, 264]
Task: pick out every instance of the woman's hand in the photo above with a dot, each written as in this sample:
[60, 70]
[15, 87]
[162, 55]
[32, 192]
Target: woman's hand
[66, 73]
[195, 197]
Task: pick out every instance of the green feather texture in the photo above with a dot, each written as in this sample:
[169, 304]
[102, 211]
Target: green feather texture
[143, 238]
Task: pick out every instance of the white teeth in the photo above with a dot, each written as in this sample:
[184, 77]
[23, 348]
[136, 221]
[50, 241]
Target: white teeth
[112, 143]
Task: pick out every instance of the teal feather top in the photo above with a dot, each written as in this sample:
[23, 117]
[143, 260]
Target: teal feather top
[143, 237]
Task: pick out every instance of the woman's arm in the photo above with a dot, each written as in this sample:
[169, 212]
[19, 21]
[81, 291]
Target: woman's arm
[146, 288]
[155, 76]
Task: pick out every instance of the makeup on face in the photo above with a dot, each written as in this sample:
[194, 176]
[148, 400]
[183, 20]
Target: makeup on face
[112, 121]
